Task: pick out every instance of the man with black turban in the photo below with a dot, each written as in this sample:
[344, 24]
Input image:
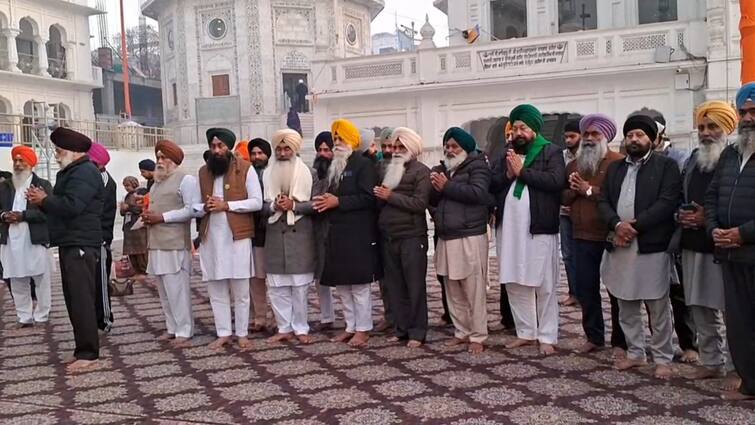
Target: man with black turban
[532, 180]
[230, 192]
[147, 170]
[324, 155]
[259, 154]
[638, 200]
[572, 140]
[73, 215]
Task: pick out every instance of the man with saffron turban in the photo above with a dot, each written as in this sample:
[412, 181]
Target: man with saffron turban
[533, 179]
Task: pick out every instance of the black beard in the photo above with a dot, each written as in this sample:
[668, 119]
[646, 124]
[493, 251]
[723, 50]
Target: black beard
[321, 165]
[219, 164]
[637, 152]
[387, 155]
[260, 165]
[521, 145]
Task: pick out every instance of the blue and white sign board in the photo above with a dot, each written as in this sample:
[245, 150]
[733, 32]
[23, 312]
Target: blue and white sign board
[6, 140]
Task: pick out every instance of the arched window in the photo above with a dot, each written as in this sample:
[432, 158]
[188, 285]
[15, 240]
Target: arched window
[56, 53]
[4, 62]
[27, 46]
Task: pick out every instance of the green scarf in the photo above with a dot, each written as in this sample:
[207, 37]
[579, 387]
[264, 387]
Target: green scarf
[537, 146]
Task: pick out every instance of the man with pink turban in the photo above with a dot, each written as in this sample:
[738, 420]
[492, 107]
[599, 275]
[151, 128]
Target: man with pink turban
[99, 155]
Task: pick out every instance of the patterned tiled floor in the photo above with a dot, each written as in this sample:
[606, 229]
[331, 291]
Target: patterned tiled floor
[143, 381]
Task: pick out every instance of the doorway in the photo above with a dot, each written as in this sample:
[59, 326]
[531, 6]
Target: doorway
[295, 90]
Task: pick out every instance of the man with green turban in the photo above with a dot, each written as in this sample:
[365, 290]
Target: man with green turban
[529, 184]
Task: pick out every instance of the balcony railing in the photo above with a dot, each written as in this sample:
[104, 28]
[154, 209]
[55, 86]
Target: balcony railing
[4, 62]
[28, 64]
[57, 68]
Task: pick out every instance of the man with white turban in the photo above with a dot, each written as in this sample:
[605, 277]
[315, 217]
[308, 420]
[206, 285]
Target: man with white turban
[231, 192]
[291, 257]
[703, 277]
[404, 195]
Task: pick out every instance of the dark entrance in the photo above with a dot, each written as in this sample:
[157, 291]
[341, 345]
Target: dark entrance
[295, 89]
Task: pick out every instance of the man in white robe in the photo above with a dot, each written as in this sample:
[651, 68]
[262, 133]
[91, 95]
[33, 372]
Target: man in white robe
[169, 216]
[528, 240]
[24, 239]
[231, 192]
[290, 241]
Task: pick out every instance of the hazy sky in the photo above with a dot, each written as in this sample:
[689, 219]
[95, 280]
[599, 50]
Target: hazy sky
[402, 12]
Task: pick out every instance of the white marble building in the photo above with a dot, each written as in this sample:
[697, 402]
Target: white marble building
[236, 63]
[45, 63]
[613, 56]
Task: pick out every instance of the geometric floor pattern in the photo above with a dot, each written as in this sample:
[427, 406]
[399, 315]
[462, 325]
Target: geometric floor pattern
[143, 381]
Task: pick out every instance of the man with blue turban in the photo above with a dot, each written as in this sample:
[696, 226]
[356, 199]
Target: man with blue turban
[730, 220]
[527, 242]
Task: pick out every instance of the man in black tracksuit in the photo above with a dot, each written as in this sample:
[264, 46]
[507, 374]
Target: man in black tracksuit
[73, 214]
[730, 220]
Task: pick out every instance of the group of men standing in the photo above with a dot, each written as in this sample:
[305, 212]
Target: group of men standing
[271, 227]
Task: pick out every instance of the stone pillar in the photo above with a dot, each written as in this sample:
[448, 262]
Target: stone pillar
[71, 62]
[42, 56]
[10, 35]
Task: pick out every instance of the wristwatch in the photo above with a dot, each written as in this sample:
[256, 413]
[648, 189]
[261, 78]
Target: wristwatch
[589, 192]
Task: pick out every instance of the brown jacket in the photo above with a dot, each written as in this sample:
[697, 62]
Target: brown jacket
[234, 189]
[587, 223]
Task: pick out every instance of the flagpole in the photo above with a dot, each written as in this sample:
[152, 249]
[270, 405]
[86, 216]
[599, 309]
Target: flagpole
[124, 61]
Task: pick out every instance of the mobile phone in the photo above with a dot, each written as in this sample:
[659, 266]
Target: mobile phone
[688, 207]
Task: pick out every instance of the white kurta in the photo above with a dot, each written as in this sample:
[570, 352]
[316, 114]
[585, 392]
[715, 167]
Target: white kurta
[165, 262]
[278, 280]
[19, 257]
[524, 258]
[220, 256]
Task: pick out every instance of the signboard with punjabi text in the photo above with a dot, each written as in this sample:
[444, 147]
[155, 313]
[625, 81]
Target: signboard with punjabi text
[517, 57]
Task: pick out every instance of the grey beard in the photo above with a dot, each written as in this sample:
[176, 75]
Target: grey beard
[162, 174]
[338, 164]
[453, 163]
[19, 178]
[284, 172]
[708, 155]
[394, 172]
[745, 140]
[589, 157]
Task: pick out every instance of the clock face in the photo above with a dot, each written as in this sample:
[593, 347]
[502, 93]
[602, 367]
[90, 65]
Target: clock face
[217, 28]
[351, 34]
[171, 43]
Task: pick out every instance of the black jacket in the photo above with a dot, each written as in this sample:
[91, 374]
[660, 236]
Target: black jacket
[659, 185]
[351, 254]
[404, 214]
[730, 202]
[109, 209]
[545, 179]
[260, 217]
[463, 208]
[33, 215]
[75, 206]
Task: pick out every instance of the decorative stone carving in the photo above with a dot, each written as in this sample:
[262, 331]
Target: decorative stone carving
[293, 25]
[255, 56]
[295, 60]
[223, 20]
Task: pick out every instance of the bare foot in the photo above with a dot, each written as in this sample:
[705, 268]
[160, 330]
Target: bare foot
[587, 347]
[305, 339]
[165, 337]
[342, 337]
[279, 338]
[702, 372]
[476, 348]
[245, 344]
[520, 342]
[359, 340]
[219, 343]
[732, 382]
[663, 371]
[736, 396]
[393, 338]
[455, 342]
[627, 363]
[547, 349]
[71, 359]
[180, 342]
[382, 326]
[413, 343]
[568, 301]
[618, 353]
[689, 356]
[81, 365]
[256, 328]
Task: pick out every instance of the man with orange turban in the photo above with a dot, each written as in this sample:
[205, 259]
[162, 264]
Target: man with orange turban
[242, 150]
[24, 239]
[703, 276]
[351, 256]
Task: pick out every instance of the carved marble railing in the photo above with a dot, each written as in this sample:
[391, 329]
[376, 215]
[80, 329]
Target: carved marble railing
[4, 62]
[580, 51]
[27, 63]
[57, 68]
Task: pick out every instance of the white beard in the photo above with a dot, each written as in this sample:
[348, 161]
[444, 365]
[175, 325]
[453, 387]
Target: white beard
[709, 153]
[589, 157]
[162, 174]
[338, 164]
[453, 163]
[19, 178]
[283, 172]
[394, 172]
[65, 159]
[745, 140]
